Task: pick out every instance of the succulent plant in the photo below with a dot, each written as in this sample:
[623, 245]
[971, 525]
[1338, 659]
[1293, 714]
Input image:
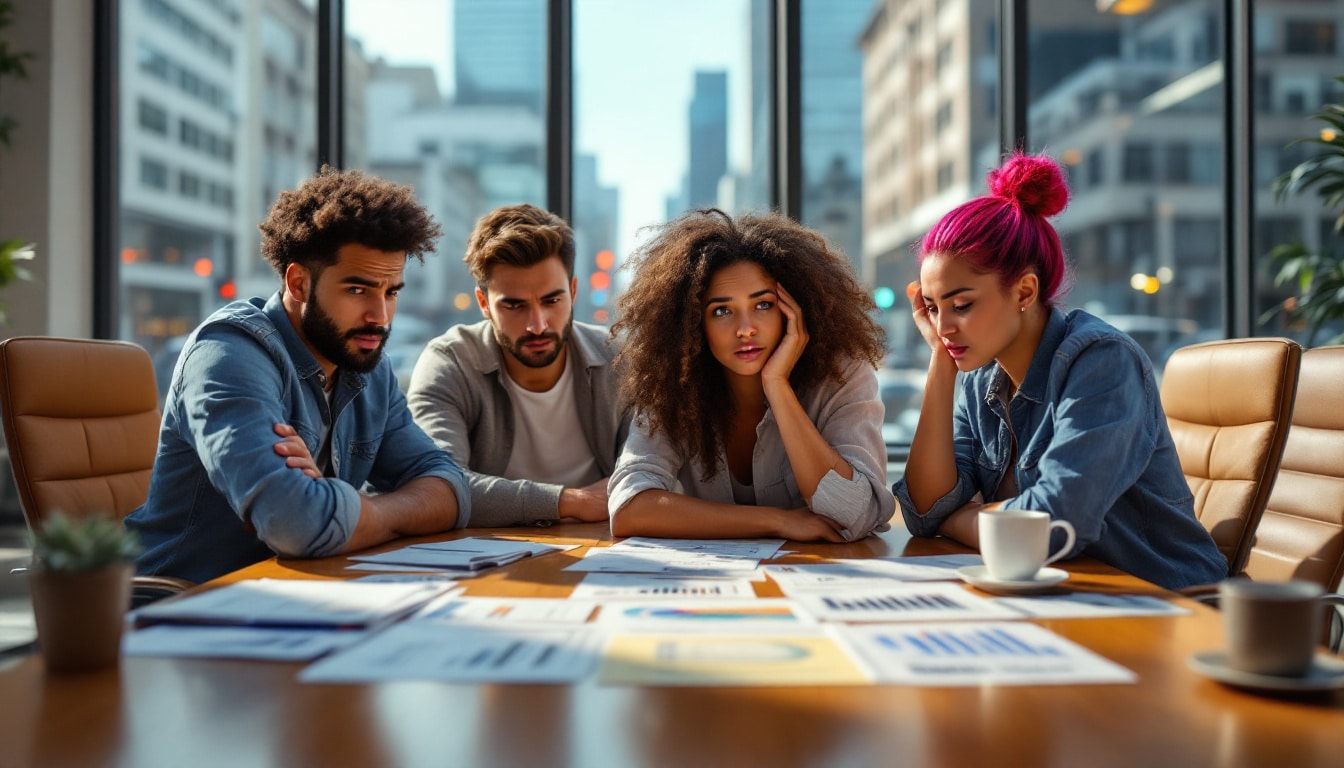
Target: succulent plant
[82, 544]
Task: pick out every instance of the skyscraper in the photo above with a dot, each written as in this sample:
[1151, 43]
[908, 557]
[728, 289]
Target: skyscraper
[709, 139]
[500, 52]
[832, 122]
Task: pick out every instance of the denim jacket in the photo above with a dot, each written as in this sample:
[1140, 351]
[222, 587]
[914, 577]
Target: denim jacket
[221, 498]
[1093, 449]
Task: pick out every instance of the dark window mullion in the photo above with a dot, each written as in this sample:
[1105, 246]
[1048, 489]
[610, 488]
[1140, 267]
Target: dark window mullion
[1013, 75]
[330, 83]
[560, 108]
[1238, 169]
[106, 197]
[786, 129]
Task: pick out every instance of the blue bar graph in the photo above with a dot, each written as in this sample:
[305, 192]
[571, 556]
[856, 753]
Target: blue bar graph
[969, 643]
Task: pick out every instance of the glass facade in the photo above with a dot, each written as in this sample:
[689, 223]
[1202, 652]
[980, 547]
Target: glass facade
[899, 118]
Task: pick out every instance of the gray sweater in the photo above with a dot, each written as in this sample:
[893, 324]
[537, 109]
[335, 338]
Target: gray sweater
[457, 397]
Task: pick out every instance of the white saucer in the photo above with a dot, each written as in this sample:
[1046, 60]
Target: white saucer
[1327, 674]
[978, 576]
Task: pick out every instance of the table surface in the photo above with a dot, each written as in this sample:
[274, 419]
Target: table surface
[171, 712]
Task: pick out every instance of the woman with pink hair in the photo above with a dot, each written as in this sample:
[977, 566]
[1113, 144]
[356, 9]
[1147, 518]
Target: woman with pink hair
[1059, 411]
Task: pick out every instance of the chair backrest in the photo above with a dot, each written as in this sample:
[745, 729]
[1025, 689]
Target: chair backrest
[1228, 404]
[81, 420]
[1302, 533]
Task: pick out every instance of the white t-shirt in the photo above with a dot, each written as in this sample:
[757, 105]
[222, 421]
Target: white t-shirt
[548, 441]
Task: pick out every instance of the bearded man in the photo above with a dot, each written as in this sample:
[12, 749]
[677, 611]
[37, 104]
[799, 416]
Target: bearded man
[525, 400]
[281, 413]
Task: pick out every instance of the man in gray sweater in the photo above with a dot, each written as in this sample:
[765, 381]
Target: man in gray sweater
[525, 400]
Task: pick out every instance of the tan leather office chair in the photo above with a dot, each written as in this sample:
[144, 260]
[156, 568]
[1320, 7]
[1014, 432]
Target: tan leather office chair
[1301, 535]
[81, 420]
[1228, 404]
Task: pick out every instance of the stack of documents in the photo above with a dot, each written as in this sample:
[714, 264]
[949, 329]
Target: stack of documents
[465, 555]
[293, 603]
[273, 619]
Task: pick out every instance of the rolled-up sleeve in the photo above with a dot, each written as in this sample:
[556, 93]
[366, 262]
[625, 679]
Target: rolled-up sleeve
[231, 394]
[851, 422]
[964, 446]
[406, 453]
[440, 397]
[646, 463]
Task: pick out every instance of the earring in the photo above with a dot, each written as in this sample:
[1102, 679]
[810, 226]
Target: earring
[1021, 309]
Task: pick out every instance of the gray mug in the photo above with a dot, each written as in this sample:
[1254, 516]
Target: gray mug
[1273, 628]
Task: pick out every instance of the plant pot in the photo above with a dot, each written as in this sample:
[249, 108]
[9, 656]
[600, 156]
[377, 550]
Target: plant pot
[79, 616]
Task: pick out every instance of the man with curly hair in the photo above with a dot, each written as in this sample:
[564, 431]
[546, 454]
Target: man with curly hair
[280, 411]
[525, 399]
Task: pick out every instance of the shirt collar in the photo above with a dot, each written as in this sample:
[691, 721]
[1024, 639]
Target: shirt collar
[305, 364]
[1038, 374]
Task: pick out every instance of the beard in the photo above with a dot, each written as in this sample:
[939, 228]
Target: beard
[533, 359]
[333, 343]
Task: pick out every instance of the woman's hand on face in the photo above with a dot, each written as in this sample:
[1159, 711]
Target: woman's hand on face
[923, 320]
[803, 524]
[791, 346]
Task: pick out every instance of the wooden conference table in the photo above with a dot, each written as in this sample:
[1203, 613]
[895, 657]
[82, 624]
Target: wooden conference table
[168, 712]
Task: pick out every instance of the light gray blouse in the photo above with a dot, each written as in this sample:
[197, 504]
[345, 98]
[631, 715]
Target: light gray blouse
[848, 415]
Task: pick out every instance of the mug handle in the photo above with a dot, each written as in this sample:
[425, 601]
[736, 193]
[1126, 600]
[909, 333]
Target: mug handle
[1069, 538]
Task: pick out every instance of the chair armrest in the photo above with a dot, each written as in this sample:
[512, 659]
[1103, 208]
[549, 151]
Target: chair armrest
[148, 589]
[1201, 593]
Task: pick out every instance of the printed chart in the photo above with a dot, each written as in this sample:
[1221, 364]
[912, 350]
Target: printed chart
[900, 602]
[956, 654]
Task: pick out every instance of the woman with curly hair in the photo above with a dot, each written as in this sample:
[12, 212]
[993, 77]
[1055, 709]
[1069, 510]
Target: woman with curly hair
[1060, 412]
[749, 360]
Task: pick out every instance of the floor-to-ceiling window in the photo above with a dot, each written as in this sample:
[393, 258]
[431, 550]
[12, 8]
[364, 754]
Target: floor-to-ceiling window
[1299, 53]
[216, 102]
[672, 103]
[450, 99]
[1129, 97]
[677, 105]
[924, 73]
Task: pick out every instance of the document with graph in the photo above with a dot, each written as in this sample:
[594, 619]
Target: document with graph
[974, 653]
[804, 658]
[900, 602]
[710, 617]
[647, 586]
[464, 653]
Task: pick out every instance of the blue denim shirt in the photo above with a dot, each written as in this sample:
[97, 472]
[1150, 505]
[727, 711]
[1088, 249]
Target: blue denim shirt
[1093, 449]
[221, 498]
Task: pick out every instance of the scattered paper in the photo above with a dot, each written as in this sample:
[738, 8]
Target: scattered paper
[901, 602]
[704, 616]
[844, 574]
[403, 578]
[758, 660]
[293, 603]
[525, 610]
[748, 549]
[463, 653]
[964, 654]
[258, 643]
[641, 586]
[1090, 605]
[470, 554]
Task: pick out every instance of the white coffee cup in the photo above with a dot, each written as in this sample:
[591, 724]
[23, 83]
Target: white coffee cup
[1015, 543]
[1273, 627]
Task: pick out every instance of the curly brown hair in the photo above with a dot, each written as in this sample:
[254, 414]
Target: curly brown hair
[665, 367]
[309, 224]
[520, 236]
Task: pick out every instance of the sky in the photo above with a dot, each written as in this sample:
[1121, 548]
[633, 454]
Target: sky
[634, 70]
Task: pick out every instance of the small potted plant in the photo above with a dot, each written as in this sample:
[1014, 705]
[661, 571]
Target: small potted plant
[81, 588]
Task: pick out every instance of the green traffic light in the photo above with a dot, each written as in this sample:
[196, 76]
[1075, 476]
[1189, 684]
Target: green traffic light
[885, 298]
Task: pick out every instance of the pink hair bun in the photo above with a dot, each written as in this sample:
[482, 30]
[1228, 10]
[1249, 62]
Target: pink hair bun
[1034, 183]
